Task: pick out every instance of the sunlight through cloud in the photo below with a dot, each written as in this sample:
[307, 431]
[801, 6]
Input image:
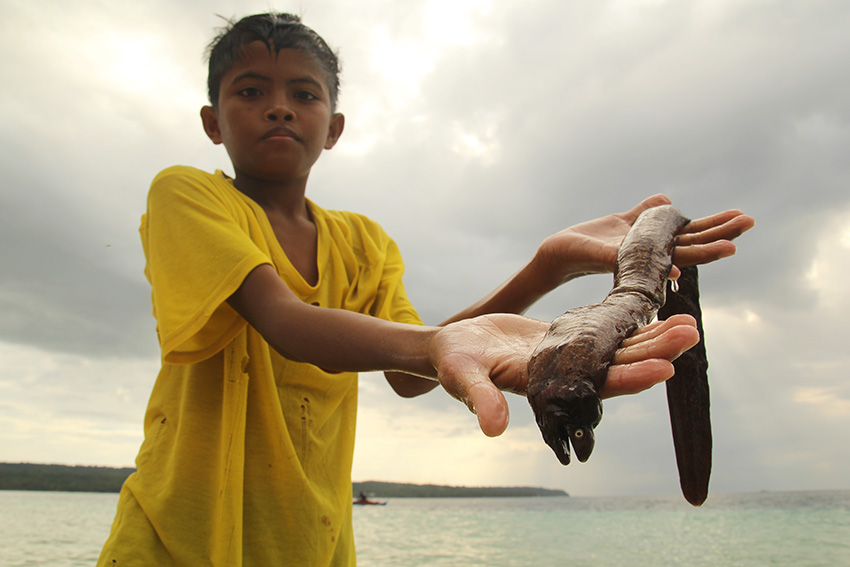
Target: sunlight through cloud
[829, 269]
[473, 145]
[825, 401]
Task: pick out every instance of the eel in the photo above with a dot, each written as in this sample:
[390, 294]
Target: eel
[568, 369]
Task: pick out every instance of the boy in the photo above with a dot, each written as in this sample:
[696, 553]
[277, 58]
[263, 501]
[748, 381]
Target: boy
[266, 305]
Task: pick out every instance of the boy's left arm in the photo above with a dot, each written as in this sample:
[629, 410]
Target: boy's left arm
[587, 248]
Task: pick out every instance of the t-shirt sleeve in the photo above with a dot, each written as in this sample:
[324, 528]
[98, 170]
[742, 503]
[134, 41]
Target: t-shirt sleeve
[199, 249]
[378, 289]
[392, 302]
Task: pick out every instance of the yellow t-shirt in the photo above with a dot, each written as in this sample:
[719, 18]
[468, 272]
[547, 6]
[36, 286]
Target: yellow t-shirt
[247, 455]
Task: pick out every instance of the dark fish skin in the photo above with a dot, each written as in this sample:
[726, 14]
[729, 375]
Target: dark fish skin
[569, 367]
[688, 396]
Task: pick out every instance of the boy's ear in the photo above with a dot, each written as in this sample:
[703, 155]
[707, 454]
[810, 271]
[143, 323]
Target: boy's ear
[209, 117]
[335, 130]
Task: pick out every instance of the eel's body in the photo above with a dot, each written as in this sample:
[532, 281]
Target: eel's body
[569, 367]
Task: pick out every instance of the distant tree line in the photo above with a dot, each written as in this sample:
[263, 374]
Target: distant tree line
[403, 490]
[26, 476]
[64, 478]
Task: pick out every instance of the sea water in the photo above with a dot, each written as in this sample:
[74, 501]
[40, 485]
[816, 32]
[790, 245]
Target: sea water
[796, 529]
[793, 529]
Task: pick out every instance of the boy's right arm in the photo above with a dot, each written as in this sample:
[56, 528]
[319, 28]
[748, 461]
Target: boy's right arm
[472, 359]
[333, 339]
[466, 358]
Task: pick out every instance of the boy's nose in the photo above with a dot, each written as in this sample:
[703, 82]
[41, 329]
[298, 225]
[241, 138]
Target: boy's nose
[280, 111]
[274, 115]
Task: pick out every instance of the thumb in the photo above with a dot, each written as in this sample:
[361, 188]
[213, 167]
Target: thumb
[491, 407]
[648, 203]
[470, 383]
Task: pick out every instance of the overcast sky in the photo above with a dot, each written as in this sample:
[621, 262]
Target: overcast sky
[474, 129]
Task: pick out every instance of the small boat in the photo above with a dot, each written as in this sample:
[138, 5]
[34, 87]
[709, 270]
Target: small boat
[363, 500]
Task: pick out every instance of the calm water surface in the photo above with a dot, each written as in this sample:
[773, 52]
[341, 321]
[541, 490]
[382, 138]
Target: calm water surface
[58, 529]
[793, 529]
[776, 529]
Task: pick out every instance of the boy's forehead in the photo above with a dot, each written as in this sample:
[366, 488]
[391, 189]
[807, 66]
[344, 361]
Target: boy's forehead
[254, 50]
[257, 53]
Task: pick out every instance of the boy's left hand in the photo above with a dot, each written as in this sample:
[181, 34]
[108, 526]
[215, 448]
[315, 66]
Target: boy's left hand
[476, 358]
[591, 247]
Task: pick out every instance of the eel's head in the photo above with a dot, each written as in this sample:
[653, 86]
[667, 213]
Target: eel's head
[583, 441]
[569, 414]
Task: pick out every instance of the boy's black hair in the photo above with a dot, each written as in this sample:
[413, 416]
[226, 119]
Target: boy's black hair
[277, 31]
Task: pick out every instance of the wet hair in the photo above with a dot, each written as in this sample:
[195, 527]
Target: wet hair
[276, 31]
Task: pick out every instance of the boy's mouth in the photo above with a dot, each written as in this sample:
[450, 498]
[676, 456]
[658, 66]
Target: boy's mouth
[280, 133]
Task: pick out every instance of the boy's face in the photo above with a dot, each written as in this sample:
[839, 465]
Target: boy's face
[274, 114]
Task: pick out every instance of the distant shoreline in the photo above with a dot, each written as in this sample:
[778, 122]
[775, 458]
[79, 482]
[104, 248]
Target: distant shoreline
[65, 478]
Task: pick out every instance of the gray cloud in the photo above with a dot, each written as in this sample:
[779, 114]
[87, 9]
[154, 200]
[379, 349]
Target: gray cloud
[470, 136]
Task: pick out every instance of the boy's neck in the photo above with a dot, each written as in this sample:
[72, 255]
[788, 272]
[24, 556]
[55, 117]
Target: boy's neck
[283, 198]
[285, 205]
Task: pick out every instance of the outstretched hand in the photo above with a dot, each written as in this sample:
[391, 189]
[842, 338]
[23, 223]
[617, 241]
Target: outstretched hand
[476, 358]
[591, 247]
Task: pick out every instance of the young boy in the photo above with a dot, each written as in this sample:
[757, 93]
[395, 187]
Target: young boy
[267, 305]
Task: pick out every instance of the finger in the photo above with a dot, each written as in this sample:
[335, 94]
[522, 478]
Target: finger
[669, 344]
[684, 256]
[656, 328]
[632, 378]
[644, 333]
[469, 382]
[704, 223]
[727, 225]
[654, 201]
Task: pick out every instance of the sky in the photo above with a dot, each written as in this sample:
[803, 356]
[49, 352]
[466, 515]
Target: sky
[474, 129]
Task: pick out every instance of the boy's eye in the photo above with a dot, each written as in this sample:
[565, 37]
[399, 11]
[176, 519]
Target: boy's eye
[249, 92]
[305, 95]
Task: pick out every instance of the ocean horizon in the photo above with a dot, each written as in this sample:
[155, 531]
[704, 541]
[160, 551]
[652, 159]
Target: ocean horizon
[792, 528]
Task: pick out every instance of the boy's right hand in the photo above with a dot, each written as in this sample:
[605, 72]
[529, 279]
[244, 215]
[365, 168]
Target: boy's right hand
[476, 358]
